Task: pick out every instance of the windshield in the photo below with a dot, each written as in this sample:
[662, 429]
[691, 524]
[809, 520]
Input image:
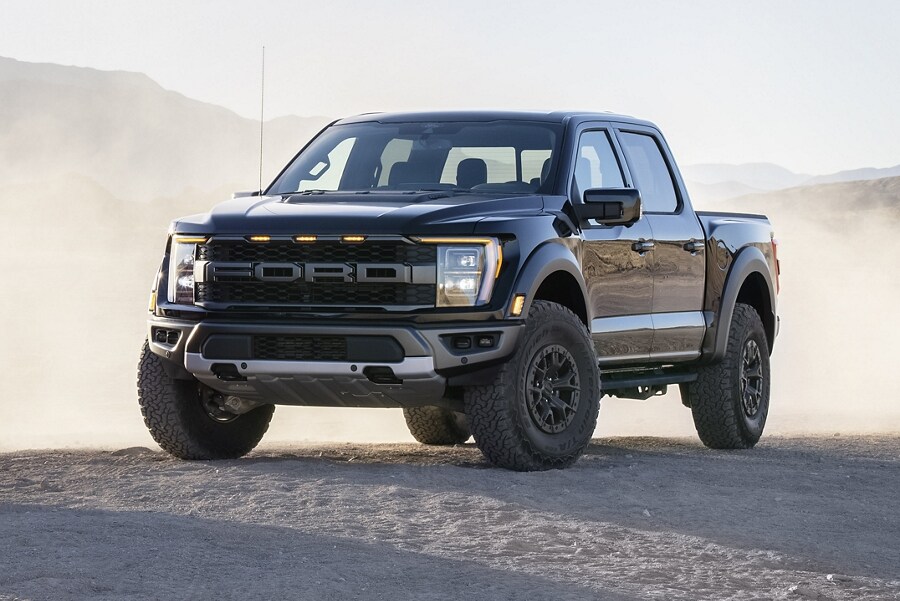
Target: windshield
[498, 156]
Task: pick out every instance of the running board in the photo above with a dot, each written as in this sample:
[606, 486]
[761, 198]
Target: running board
[642, 387]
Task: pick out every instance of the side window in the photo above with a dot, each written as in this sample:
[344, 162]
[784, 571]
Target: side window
[326, 175]
[596, 165]
[650, 172]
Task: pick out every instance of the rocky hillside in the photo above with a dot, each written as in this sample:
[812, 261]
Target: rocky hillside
[128, 134]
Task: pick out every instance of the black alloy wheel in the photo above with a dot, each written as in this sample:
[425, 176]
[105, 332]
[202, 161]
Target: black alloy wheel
[751, 378]
[553, 389]
[540, 410]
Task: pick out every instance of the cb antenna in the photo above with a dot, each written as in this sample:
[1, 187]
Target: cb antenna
[262, 106]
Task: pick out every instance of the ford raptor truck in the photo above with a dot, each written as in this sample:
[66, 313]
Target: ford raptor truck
[493, 274]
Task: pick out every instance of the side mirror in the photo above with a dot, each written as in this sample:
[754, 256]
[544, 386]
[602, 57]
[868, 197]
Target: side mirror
[244, 194]
[611, 206]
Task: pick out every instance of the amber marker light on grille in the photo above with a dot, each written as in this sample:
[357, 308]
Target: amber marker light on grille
[353, 239]
[190, 239]
[260, 238]
[305, 238]
[517, 305]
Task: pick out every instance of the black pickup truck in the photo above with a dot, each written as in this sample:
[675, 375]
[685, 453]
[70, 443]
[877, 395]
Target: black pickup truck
[493, 274]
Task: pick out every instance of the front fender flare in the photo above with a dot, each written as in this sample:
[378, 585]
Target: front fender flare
[544, 261]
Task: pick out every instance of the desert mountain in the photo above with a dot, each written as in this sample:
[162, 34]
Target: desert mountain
[129, 135]
[843, 202]
[716, 182]
[759, 176]
[856, 175]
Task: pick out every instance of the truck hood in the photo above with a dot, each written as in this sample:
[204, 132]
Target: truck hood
[375, 213]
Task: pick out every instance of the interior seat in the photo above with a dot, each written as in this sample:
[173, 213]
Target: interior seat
[471, 172]
[537, 182]
[402, 173]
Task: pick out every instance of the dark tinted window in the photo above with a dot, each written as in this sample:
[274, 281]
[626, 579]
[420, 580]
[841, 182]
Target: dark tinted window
[650, 172]
[596, 165]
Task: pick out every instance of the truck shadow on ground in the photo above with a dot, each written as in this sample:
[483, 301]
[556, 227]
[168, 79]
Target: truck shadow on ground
[786, 451]
[67, 553]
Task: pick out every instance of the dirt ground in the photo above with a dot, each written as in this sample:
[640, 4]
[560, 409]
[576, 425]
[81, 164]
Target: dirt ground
[636, 518]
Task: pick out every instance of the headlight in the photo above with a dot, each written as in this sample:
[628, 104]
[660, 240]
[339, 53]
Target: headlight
[466, 270]
[181, 271]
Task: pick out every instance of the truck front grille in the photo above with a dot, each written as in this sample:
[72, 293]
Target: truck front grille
[233, 289]
[319, 294]
[300, 348]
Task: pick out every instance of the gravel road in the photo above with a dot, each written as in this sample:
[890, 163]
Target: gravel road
[636, 518]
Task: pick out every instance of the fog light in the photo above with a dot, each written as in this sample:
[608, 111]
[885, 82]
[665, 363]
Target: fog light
[462, 342]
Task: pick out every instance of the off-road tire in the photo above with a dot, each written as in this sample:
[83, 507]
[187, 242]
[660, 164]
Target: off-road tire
[436, 425]
[715, 398]
[179, 423]
[500, 413]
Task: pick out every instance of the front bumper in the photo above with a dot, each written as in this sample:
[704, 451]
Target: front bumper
[417, 376]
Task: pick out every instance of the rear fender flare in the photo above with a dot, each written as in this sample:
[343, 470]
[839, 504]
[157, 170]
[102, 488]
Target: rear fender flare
[748, 261]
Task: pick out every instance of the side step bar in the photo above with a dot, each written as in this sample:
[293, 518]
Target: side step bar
[641, 386]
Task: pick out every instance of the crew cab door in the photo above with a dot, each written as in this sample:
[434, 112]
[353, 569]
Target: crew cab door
[616, 258]
[678, 259]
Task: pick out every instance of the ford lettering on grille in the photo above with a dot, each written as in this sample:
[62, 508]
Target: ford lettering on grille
[206, 271]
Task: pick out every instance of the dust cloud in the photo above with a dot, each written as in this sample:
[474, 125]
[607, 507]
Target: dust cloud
[835, 359]
[78, 268]
[79, 263]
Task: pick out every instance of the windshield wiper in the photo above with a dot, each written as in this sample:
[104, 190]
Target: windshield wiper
[304, 192]
[317, 192]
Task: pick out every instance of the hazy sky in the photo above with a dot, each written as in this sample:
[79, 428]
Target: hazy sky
[812, 85]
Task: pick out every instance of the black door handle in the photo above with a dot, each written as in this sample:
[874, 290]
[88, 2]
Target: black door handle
[642, 246]
[694, 246]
